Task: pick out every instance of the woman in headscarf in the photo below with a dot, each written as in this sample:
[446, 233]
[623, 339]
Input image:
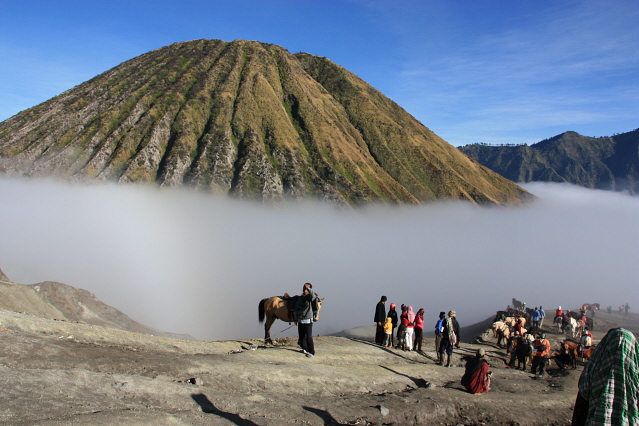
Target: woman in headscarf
[419, 330]
[609, 385]
[476, 378]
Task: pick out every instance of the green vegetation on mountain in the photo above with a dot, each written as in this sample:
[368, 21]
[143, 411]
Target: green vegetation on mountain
[610, 163]
[247, 119]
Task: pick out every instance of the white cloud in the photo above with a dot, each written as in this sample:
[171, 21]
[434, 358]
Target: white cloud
[194, 263]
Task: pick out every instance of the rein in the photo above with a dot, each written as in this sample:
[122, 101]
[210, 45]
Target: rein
[286, 329]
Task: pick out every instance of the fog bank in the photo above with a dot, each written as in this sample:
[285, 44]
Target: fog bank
[186, 262]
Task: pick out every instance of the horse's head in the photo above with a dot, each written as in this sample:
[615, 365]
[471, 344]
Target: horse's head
[319, 308]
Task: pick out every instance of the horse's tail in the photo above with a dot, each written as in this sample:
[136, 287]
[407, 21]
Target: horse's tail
[261, 312]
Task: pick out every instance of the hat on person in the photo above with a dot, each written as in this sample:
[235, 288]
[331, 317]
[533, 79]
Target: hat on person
[384, 299]
[481, 352]
[451, 313]
[392, 306]
[516, 333]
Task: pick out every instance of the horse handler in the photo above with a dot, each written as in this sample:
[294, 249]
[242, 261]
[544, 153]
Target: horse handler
[306, 314]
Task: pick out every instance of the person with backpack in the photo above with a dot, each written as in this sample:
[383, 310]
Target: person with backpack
[450, 337]
[306, 314]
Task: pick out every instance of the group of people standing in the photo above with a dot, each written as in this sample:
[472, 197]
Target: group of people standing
[410, 330]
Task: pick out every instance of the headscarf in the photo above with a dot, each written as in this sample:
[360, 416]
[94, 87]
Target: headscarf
[610, 380]
[411, 315]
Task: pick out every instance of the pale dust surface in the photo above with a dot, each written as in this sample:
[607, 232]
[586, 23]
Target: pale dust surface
[56, 372]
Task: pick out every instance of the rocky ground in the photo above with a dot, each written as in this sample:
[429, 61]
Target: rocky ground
[59, 373]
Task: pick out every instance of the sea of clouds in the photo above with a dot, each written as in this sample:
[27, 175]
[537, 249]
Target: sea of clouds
[189, 262]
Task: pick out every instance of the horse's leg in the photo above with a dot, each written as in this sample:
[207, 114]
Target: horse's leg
[270, 319]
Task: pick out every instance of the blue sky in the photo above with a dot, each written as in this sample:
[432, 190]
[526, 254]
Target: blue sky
[471, 71]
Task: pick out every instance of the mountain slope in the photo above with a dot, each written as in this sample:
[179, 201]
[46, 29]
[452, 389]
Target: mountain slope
[246, 119]
[610, 163]
[59, 301]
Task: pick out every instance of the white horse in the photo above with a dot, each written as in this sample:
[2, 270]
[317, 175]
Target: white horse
[571, 327]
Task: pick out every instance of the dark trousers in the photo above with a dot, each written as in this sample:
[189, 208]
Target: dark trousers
[538, 363]
[419, 338]
[379, 334]
[446, 346]
[306, 337]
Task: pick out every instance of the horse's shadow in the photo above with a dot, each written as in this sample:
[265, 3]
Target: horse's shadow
[418, 381]
[325, 416]
[207, 407]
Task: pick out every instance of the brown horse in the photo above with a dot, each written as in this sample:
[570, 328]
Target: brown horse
[276, 307]
[574, 350]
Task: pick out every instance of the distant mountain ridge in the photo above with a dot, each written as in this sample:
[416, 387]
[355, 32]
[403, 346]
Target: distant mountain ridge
[610, 163]
[247, 119]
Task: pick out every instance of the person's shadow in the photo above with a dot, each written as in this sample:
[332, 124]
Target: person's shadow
[207, 407]
[325, 416]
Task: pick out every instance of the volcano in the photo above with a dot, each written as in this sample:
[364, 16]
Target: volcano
[247, 119]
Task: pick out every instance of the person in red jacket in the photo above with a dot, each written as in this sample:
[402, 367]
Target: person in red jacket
[419, 330]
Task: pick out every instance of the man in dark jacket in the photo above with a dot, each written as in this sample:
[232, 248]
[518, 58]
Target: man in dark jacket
[380, 319]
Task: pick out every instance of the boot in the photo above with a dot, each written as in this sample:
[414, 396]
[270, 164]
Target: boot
[447, 360]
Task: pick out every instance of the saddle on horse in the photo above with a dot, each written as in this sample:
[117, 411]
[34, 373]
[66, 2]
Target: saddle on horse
[291, 302]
